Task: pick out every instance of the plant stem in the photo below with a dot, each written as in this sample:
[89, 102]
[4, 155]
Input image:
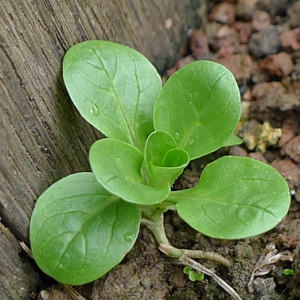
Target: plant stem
[159, 233]
[155, 222]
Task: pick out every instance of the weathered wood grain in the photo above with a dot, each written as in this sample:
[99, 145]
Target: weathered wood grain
[18, 278]
[42, 137]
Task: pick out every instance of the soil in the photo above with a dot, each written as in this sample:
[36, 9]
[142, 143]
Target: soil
[259, 41]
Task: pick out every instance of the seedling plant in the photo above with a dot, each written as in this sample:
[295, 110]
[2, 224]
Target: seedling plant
[84, 224]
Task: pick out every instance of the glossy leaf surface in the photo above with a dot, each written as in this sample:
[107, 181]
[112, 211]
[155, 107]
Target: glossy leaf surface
[79, 231]
[114, 88]
[199, 106]
[236, 197]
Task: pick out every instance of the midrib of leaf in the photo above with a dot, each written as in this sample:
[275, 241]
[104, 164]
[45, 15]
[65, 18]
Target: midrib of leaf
[238, 204]
[85, 97]
[80, 232]
[137, 102]
[198, 122]
[131, 134]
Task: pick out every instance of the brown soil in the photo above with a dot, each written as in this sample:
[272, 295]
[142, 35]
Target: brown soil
[259, 41]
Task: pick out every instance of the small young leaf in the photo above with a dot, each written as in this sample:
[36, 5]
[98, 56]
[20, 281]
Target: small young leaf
[192, 275]
[118, 166]
[236, 197]
[187, 270]
[79, 231]
[114, 88]
[199, 106]
[164, 161]
[288, 272]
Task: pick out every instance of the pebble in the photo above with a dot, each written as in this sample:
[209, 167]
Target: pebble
[289, 131]
[294, 15]
[223, 13]
[198, 43]
[261, 20]
[245, 9]
[292, 149]
[244, 31]
[240, 65]
[290, 39]
[258, 156]
[265, 42]
[288, 169]
[279, 65]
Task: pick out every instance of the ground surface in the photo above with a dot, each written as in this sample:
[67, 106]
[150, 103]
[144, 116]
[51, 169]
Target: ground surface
[259, 41]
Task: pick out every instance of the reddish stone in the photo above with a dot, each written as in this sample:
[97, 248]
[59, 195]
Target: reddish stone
[292, 149]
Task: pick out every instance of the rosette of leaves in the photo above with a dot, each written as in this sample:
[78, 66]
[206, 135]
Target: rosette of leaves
[84, 224]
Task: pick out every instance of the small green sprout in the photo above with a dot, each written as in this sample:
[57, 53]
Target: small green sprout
[84, 224]
[193, 276]
[288, 272]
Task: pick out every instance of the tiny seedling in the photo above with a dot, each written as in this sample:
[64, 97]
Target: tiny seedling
[84, 224]
[193, 276]
[288, 272]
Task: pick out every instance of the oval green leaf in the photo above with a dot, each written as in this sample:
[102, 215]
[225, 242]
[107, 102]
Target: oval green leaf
[118, 167]
[199, 106]
[236, 197]
[79, 231]
[114, 87]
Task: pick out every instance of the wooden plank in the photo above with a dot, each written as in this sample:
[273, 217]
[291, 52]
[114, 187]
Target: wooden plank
[18, 278]
[42, 136]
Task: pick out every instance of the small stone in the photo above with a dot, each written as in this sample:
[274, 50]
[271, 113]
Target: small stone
[264, 286]
[198, 43]
[265, 42]
[245, 9]
[279, 65]
[223, 13]
[290, 39]
[294, 15]
[237, 151]
[258, 156]
[244, 30]
[226, 36]
[261, 20]
[240, 65]
[177, 279]
[288, 169]
[289, 130]
[273, 7]
[292, 149]
[273, 95]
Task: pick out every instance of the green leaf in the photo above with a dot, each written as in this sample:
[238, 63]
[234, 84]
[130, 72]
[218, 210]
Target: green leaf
[114, 87]
[164, 161]
[236, 197]
[193, 276]
[79, 231]
[187, 270]
[118, 166]
[199, 106]
[288, 272]
[232, 141]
